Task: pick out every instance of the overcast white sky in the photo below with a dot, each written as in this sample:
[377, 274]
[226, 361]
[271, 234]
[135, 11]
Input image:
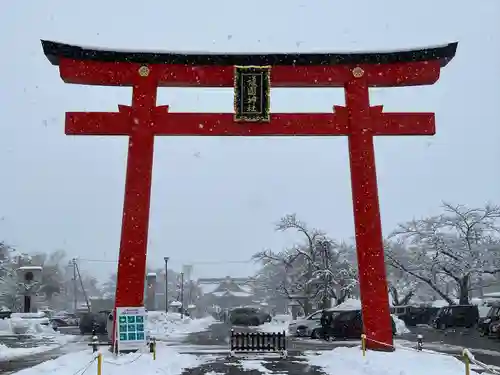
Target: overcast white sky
[217, 199]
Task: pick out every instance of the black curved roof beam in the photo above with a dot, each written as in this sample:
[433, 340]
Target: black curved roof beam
[54, 51]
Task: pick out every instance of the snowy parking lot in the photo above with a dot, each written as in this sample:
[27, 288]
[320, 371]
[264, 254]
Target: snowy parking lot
[200, 347]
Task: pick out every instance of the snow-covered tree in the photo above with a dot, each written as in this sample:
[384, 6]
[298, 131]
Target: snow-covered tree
[11, 290]
[317, 269]
[108, 288]
[459, 248]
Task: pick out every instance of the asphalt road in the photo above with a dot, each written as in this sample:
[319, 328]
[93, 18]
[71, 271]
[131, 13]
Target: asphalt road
[17, 364]
[28, 341]
[452, 341]
[215, 341]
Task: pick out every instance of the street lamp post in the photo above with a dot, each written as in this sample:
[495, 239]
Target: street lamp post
[166, 283]
[182, 295]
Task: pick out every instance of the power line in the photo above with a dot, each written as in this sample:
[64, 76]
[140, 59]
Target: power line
[193, 263]
[224, 262]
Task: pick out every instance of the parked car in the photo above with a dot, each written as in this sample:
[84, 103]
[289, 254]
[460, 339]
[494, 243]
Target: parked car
[56, 323]
[64, 320]
[306, 326]
[493, 316]
[414, 315]
[466, 316]
[346, 324]
[248, 316]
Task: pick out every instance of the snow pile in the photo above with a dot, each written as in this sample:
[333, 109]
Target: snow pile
[28, 324]
[279, 323]
[401, 362]
[161, 325]
[25, 323]
[400, 325]
[168, 362]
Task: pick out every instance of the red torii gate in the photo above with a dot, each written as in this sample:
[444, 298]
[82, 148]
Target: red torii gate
[251, 76]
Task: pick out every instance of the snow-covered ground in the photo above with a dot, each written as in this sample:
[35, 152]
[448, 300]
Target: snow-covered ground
[164, 326]
[168, 362]
[350, 361]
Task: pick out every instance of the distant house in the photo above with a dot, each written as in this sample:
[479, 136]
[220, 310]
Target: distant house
[226, 292]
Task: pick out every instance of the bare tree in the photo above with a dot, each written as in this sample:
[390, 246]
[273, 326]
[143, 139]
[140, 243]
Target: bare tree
[458, 248]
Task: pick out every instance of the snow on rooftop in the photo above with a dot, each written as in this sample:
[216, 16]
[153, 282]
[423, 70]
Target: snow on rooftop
[492, 295]
[228, 293]
[208, 288]
[30, 268]
[246, 288]
[440, 303]
[151, 274]
[348, 304]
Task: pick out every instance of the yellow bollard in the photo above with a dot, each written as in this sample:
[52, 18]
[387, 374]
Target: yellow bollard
[152, 347]
[99, 364]
[363, 344]
[467, 362]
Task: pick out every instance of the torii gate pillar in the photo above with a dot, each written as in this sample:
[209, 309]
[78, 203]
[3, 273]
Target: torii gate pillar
[252, 77]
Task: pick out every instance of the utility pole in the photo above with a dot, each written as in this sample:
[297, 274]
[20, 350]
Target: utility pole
[166, 283]
[75, 286]
[182, 295]
[83, 288]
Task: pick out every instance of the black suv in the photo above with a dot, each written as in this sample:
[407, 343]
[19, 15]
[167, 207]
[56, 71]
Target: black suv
[418, 315]
[348, 324]
[485, 323]
[248, 316]
[466, 316]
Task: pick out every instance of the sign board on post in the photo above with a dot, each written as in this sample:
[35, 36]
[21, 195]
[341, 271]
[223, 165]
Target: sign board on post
[131, 330]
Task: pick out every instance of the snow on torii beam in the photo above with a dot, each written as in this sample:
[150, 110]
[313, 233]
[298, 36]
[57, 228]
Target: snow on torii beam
[355, 72]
